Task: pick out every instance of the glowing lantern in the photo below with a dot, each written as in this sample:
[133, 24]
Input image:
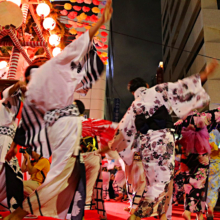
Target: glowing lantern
[95, 10]
[56, 51]
[72, 15]
[73, 31]
[104, 34]
[73, 1]
[77, 8]
[96, 2]
[83, 16]
[17, 2]
[54, 40]
[64, 12]
[3, 64]
[88, 1]
[80, 1]
[67, 6]
[49, 24]
[43, 10]
[86, 9]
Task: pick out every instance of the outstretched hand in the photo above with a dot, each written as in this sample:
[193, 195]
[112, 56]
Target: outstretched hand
[107, 14]
[209, 70]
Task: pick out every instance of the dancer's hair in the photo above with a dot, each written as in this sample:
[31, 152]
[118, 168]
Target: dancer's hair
[136, 83]
[80, 106]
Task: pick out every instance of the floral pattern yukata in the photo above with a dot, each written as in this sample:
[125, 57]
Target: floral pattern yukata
[157, 146]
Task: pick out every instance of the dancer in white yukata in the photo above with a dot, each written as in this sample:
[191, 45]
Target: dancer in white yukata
[149, 114]
[49, 98]
[10, 172]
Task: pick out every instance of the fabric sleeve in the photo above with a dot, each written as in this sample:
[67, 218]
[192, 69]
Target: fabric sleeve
[124, 137]
[12, 102]
[186, 95]
[41, 164]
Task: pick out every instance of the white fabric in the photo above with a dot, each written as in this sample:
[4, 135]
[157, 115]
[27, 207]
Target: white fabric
[3, 195]
[56, 193]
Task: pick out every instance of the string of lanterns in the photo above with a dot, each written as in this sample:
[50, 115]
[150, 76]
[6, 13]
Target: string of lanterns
[43, 10]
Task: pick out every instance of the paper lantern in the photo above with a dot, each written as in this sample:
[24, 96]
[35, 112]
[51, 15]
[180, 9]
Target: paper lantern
[88, 1]
[102, 10]
[72, 23]
[73, 31]
[86, 9]
[56, 51]
[80, 1]
[68, 25]
[95, 10]
[77, 8]
[64, 12]
[87, 27]
[88, 18]
[95, 2]
[103, 40]
[103, 27]
[104, 34]
[99, 53]
[72, 15]
[104, 54]
[67, 6]
[73, 1]
[93, 18]
[43, 10]
[105, 47]
[49, 24]
[54, 40]
[3, 64]
[83, 16]
[17, 2]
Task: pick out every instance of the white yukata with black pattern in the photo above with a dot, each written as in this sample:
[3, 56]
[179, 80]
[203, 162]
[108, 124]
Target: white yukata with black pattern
[9, 108]
[49, 102]
[157, 146]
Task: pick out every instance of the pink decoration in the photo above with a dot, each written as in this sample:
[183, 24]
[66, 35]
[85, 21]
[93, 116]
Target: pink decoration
[13, 63]
[102, 10]
[88, 1]
[104, 34]
[80, 1]
[64, 12]
[94, 18]
[86, 9]
[103, 40]
[95, 2]
[68, 25]
[105, 47]
[77, 8]
[72, 15]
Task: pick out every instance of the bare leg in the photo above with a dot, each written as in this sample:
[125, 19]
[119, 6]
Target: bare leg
[210, 213]
[187, 215]
[18, 214]
[199, 216]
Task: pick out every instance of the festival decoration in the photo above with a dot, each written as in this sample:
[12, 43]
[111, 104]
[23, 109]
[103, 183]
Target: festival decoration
[3, 64]
[68, 6]
[54, 40]
[17, 2]
[86, 9]
[43, 10]
[49, 24]
[88, 1]
[56, 51]
[95, 10]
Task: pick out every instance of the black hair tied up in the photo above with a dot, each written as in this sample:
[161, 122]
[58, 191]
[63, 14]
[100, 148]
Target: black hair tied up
[136, 83]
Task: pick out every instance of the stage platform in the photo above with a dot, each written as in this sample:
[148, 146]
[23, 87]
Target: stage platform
[115, 211]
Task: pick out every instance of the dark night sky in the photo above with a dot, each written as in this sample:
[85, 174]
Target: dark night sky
[133, 57]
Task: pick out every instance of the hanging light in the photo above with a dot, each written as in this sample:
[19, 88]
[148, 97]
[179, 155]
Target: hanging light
[54, 40]
[43, 10]
[3, 64]
[17, 2]
[49, 24]
[56, 51]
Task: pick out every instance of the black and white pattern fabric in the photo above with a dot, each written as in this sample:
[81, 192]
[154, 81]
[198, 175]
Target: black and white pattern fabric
[52, 116]
[93, 67]
[7, 131]
[97, 198]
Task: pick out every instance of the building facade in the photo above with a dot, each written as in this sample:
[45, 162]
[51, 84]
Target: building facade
[191, 39]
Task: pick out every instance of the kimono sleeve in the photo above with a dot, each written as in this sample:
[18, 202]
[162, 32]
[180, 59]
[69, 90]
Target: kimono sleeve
[13, 102]
[124, 137]
[186, 95]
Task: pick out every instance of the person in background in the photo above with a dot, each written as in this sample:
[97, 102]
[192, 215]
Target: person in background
[37, 168]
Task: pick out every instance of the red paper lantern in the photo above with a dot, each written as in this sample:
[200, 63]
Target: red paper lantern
[86, 9]
[105, 47]
[77, 8]
[104, 59]
[99, 52]
[93, 18]
[80, 1]
[64, 12]
[87, 18]
[72, 15]
[103, 40]
[95, 2]
[68, 25]
[88, 1]
[102, 10]
[104, 34]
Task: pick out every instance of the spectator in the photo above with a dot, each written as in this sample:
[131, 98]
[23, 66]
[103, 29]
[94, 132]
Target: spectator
[37, 168]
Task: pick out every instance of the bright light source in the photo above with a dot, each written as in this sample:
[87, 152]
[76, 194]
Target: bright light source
[161, 64]
[54, 40]
[43, 10]
[49, 24]
[3, 64]
[17, 2]
[56, 51]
